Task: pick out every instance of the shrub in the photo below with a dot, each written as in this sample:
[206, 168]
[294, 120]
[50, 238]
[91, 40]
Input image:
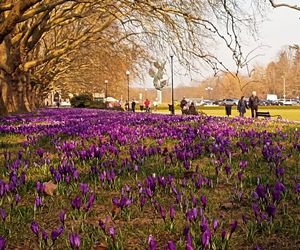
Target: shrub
[82, 101]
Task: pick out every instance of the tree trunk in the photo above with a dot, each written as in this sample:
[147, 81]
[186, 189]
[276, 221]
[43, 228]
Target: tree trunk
[3, 108]
[19, 97]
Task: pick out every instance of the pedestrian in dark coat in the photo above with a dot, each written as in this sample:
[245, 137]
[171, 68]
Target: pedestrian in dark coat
[242, 106]
[133, 103]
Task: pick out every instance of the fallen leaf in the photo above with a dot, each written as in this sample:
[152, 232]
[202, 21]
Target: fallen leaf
[50, 187]
[115, 211]
[100, 246]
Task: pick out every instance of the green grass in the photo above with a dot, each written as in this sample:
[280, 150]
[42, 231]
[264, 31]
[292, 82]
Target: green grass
[290, 113]
[133, 225]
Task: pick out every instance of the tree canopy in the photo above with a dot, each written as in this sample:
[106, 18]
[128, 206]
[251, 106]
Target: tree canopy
[48, 42]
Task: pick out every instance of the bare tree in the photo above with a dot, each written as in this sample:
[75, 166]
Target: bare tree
[39, 33]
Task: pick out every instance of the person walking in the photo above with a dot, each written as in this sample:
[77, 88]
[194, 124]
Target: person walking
[127, 105]
[242, 106]
[184, 106]
[228, 107]
[133, 103]
[147, 105]
[192, 109]
[253, 104]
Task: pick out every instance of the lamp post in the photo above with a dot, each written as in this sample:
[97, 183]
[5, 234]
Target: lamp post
[106, 88]
[283, 77]
[127, 74]
[172, 84]
[209, 89]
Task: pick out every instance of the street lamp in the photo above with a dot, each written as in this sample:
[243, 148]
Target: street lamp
[127, 74]
[106, 88]
[283, 77]
[209, 89]
[172, 84]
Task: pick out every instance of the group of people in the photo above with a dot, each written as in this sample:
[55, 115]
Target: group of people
[133, 105]
[243, 106]
[188, 109]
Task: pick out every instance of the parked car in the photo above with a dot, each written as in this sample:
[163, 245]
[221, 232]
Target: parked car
[272, 102]
[217, 102]
[287, 102]
[230, 102]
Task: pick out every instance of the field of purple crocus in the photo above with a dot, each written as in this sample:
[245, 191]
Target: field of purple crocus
[90, 179]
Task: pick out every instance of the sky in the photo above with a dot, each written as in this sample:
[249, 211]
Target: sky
[281, 28]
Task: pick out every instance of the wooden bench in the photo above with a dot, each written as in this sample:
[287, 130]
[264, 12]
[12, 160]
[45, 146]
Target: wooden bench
[266, 114]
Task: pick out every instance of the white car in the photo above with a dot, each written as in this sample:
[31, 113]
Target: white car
[287, 102]
[229, 102]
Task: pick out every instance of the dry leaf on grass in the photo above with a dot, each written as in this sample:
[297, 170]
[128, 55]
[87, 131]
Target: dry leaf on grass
[100, 246]
[50, 187]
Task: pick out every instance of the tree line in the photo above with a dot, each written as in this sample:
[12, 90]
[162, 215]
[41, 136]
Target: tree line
[78, 44]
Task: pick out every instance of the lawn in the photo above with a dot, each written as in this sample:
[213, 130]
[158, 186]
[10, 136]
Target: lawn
[289, 113]
[92, 179]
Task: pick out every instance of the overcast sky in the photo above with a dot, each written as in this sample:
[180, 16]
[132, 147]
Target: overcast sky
[281, 28]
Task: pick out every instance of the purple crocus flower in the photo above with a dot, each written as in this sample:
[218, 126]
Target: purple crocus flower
[56, 233]
[136, 168]
[171, 245]
[245, 219]
[62, 216]
[243, 164]
[84, 188]
[151, 242]
[215, 224]
[204, 224]
[227, 170]
[74, 240]
[162, 213]
[35, 228]
[279, 186]
[297, 188]
[68, 179]
[233, 226]
[223, 234]
[205, 239]
[172, 213]
[102, 225]
[38, 201]
[240, 175]
[203, 201]
[18, 198]
[75, 175]
[2, 243]
[279, 171]
[190, 215]
[261, 191]
[142, 201]
[40, 187]
[76, 202]
[189, 242]
[90, 201]
[44, 236]
[276, 195]
[271, 210]
[255, 209]
[112, 232]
